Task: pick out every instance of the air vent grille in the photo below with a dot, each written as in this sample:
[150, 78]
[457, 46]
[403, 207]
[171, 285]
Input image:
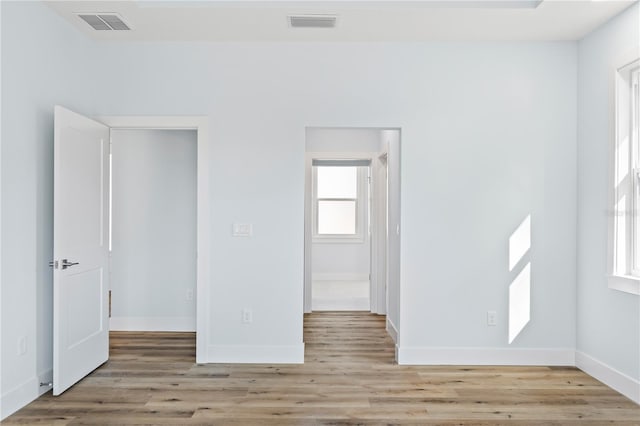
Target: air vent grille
[312, 21]
[104, 21]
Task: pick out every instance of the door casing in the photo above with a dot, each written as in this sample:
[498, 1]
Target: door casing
[200, 124]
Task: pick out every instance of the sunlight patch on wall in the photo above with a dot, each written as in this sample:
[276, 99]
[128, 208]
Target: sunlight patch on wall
[520, 287]
[519, 242]
[520, 302]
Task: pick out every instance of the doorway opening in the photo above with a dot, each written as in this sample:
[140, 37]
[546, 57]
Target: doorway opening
[175, 170]
[352, 220]
[152, 239]
[341, 237]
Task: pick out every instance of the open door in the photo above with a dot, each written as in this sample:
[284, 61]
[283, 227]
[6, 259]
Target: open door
[80, 248]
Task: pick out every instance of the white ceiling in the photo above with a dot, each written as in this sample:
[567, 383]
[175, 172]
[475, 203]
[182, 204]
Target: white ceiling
[358, 20]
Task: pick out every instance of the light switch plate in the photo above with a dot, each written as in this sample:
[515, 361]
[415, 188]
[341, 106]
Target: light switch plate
[242, 229]
[492, 318]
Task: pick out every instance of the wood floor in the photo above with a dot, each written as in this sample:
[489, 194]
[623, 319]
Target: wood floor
[348, 378]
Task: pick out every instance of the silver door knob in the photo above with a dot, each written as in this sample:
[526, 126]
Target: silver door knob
[66, 264]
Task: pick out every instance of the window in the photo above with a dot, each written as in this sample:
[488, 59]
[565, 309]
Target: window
[625, 218]
[339, 208]
[337, 200]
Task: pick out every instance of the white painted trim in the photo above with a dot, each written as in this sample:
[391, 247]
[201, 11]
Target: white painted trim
[361, 200]
[256, 354]
[628, 284]
[618, 274]
[21, 395]
[16, 398]
[393, 331]
[154, 121]
[340, 277]
[152, 324]
[308, 236]
[379, 238]
[415, 355]
[611, 377]
[201, 125]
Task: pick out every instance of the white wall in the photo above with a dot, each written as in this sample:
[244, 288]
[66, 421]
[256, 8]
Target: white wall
[489, 151]
[608, 320]
[40, 68]
[327, 139]
[345, 260]
[488, 137]
[153, 260]
[478, 155]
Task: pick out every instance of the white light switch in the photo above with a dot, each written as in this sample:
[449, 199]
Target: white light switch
[242, 229]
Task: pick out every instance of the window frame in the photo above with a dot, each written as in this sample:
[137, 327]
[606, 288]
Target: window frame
[624, 220]
[361, 211]
[634, 106]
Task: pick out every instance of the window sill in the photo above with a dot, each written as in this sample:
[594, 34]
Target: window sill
[625, 283]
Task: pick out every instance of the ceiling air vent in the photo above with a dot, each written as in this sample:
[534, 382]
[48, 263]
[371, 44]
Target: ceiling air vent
[104, 21]
[312, 21]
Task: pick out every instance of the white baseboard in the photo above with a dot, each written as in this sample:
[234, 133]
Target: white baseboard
[21, 395]
[611, 377]
[251, 354]
[484, 356]
[340, 277]
[152, 324]
[393, 331]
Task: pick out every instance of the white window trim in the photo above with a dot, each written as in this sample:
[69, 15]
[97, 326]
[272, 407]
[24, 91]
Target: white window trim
[635, 173]
[623, 275]
[361, 211]
[362, 185]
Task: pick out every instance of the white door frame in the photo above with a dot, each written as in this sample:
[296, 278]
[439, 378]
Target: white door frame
[201, 125]
[379, 234]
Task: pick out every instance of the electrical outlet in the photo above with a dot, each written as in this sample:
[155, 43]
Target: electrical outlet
[22, 345]
[189, 295]
[492, 318]
[247, 316]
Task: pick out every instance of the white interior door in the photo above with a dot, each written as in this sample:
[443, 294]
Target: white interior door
[81, 247]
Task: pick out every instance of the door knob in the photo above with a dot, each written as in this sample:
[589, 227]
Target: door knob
[66, 264]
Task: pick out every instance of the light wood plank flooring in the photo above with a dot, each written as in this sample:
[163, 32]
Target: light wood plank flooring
[348, 378]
